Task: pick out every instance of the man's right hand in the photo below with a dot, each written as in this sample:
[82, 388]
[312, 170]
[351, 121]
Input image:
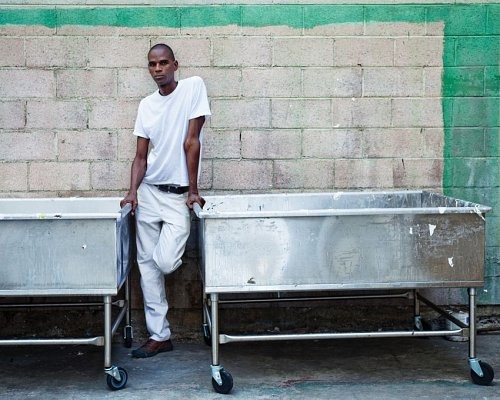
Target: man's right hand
[131, 199]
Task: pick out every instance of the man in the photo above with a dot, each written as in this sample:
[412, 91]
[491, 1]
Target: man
[164, 184]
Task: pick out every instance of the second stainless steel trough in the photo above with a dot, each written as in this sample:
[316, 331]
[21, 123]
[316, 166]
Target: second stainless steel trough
[337, 242]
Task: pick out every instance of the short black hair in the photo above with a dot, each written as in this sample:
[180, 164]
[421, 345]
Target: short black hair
[163, 46]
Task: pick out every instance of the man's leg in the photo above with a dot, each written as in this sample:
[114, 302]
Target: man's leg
[162, 231]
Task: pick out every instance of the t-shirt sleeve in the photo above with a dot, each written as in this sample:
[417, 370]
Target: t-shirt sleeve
[199, 102]
[139, 127]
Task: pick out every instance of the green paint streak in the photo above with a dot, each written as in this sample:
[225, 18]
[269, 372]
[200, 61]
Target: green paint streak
[213, 16]
[37, 16]
[464, 82]
[493, 19]
[319, 15]
[395, 14]
[459, 20]
[259, 16]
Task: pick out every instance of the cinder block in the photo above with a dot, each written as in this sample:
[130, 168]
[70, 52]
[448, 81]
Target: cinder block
[87, 145]
[335, 30]
[240, 113]
[26, 30]
[304, 174]
[301, 113]
[14, 176]
[242, 51]
[371, 112]
[271, 82]
[206, 176]
[423, 112]
[118, 51]
[363, 52]
[221, 144]
[86, 83]
[332, 82]
[364, 173]
[113, 114]
[189, 51]
[393, 143]
[27, 83]
[135, 82]
[392, 81]
[242, 175]
[110, 175]
[12, 114]
[418, 51]
[332, 143]
[271, 144]
[51, 176]
[12, 50]
[394, 28]
[433, 78]
[55, 114]
[56, 51]
[127, 144]
[24, 146]
[220, 82]
[304, 51]
[418, 173]
[433, 142]
[434, 28]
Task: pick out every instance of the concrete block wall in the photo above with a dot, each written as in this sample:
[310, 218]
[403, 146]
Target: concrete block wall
[305, 97]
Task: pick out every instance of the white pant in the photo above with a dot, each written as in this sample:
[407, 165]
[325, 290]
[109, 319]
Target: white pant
[163, 225]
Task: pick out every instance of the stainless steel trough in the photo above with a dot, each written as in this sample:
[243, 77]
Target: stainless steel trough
[60, 247]
[382, 241]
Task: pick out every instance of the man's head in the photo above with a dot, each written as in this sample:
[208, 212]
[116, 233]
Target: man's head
[162, 65]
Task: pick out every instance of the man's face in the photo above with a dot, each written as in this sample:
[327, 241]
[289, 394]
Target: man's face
[162, 66]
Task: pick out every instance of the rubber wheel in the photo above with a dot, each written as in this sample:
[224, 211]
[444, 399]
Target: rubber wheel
[227, 383]
[127, 342]
[487, 377]
[113, 384]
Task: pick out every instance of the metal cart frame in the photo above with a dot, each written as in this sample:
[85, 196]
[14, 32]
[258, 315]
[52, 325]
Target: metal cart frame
[442, 239]
[65, 249]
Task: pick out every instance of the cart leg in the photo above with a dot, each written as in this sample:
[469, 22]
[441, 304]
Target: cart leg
[206, 327]
[481, 372]
[416, 307]
[127, 332]
[214, 307]
[116, 377]
[222, 381]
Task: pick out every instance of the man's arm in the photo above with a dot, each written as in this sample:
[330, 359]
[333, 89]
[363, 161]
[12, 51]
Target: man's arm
[192, 148]
[137, 172]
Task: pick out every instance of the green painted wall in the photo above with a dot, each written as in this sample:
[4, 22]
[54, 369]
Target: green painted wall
[470, 82]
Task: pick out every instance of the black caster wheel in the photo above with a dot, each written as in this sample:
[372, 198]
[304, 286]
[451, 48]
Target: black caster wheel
[487, 377]
[114, 384]
[227, 383]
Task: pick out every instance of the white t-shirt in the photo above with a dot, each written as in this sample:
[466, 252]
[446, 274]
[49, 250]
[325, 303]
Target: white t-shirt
[164, 121]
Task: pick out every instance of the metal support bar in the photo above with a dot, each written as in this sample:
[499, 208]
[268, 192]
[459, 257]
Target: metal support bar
[286, 299]
[119, 318]
[443, 313]
[96, 341]
[341, 335]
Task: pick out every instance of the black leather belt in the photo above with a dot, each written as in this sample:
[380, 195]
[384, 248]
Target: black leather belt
[173, 188]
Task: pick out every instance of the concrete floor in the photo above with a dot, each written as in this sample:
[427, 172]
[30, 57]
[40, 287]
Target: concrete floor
[384, 368]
